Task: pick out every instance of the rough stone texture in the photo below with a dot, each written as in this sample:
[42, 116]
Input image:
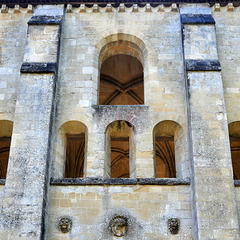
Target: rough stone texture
[25, 201]
[147, 208]
[214, 211]
[228, 45]
[120, 181]
[42, 42]
[1, 195]
[203, 65]
[34, 67]
[22, 213]
[84, 35]
[43, 20]
[197, 19]
[206, 208]
[13, 35]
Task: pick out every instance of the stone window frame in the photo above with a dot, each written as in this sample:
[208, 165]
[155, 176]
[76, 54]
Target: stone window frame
[71, 127]
[139, 51]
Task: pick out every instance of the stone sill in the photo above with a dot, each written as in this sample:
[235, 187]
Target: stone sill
[120, 181]
[2, 181]
[237, 183]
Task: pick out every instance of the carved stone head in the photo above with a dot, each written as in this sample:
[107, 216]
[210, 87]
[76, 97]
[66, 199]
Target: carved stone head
[119, 225]
[64, 224]
[173, 225]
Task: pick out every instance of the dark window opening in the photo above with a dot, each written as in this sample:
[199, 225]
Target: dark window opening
[235, 153]
[5, 143]
[75, 156]
[120, 157]
[165, 157]
[121, 81]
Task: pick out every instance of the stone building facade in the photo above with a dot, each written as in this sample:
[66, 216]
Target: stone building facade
[119, 121]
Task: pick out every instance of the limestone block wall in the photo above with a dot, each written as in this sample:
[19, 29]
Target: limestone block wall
[147, 208]
[228, 42]
[13, 35]
[228, 45]
[158, 33]
[85, 33]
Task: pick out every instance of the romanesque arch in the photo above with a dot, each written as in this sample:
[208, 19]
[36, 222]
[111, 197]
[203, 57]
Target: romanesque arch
[73, 150]
[121, 65]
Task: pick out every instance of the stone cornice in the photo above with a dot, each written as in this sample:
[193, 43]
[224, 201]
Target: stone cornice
[120, 181]
[82, 8]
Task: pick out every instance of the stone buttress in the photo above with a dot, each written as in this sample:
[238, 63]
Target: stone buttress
[24, 211]
[213, 201]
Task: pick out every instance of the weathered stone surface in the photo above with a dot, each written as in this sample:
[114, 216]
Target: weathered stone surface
[210, 150]
[202, 65]
[120, 181]
[38, 67]
[197, 19]
[204, 203]
[43, 19]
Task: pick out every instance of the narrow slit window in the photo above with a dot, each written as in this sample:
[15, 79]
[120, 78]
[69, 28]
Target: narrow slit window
[235, 153]
[5, 143]
[165, 157]
[75, 156]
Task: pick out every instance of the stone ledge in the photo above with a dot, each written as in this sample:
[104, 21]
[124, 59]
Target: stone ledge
[120, 181]
[197, 19]
[203, 65]
[36, 67]
[237, 183]
[45, 20]
[2, 181]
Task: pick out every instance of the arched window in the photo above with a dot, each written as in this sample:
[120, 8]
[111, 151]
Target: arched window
[234, 134]
[119, 150]
[6, 128]
[75, 136]
[121, 74]
[167, 139]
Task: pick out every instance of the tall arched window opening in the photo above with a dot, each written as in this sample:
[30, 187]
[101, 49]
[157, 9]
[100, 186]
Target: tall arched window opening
[167, 143]
[75, 137]
[234, 134]
[121, 74]
[6, 128]
[119, 150]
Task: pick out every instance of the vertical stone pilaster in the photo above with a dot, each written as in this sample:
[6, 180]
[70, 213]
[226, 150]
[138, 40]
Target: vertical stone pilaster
[213, 200]
[24, 211]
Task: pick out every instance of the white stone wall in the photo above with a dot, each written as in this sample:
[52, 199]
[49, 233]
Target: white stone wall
[13, 35]
[147, 208]
[84, 34]
[228, 46]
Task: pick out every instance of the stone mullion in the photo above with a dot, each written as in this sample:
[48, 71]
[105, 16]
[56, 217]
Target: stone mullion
[25, 203]
[213, 201]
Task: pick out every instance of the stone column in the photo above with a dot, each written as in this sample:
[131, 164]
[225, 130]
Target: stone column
[24, 211]
[213, 200]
